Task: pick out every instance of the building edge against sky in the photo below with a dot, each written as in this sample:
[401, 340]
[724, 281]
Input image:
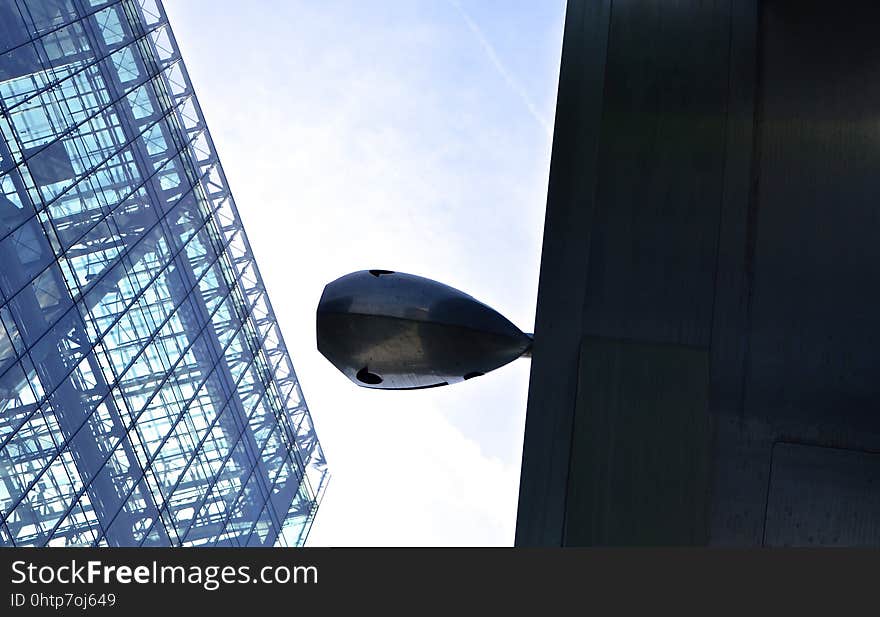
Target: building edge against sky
[146, 394]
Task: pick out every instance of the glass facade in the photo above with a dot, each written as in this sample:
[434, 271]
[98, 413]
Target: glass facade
[146, 395]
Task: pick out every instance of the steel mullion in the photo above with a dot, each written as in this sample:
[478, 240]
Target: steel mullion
[197, 449]
[117, 262]
[228, 455]
[237, 219]
[134, 421]
[110, 105]
[200, 445]
[87, 173]
[267, 502]
[91, 64]
[60, 27]
[117, 318]
[111, 386]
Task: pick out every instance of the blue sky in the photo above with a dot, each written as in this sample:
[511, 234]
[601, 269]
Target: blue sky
[405, 135]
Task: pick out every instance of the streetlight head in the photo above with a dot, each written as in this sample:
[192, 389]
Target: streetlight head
[394, 331]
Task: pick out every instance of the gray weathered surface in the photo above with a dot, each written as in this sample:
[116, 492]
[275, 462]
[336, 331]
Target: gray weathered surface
[641, 443]
[713, 187]
[823, 496]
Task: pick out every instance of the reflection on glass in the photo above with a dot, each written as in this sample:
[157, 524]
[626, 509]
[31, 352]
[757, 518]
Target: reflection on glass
[146, 395]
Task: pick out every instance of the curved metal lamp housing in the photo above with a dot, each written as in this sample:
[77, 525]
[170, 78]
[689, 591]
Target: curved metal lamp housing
[395, 331]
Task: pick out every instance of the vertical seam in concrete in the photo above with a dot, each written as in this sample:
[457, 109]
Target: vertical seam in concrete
[752, 212]
[586, 282]
[713, 437]
[767, 493]
[564, 528]
[724, 170]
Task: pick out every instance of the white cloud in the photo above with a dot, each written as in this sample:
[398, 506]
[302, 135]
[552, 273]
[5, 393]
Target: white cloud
[383, 136]
[417, 481]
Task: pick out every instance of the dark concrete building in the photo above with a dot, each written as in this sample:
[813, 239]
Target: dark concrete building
[705, 363]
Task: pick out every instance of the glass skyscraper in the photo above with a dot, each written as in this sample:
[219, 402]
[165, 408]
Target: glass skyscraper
[146, 395]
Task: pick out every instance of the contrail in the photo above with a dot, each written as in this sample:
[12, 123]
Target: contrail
[496, 62]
